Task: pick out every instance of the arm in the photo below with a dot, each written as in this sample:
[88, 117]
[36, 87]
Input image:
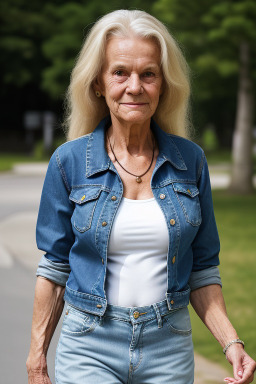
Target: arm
[206, 296]
[48, 306]
[209, 304]
[55, 237]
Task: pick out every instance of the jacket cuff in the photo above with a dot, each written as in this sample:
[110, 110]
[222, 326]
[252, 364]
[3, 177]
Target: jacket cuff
[204, 277]
[56, 272]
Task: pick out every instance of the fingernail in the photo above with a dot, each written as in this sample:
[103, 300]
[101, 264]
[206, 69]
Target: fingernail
[240, 373]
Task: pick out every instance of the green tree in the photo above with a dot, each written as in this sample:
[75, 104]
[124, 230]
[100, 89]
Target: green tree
[39, 43]
[69, 24]
[219, 37]
[232, 23]
[21, 28]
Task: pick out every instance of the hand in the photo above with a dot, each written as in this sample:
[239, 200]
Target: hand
[38, 378]
[37, 373]
[243, 365]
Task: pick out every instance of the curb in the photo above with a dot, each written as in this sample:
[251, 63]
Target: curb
[30, 169]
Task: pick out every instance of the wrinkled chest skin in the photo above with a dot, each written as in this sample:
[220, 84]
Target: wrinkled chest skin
[181, 187]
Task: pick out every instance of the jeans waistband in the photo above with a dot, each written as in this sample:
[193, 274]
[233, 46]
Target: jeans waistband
[139, 314]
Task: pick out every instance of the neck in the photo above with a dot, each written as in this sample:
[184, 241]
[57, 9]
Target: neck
[132, 138]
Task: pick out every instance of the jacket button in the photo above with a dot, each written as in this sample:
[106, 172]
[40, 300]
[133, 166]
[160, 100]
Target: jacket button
[162, 196]
[173, 259]
[113, 198]
[102, 261]
[172, 222]
[172, 301]
[104, 223]
[99, 306]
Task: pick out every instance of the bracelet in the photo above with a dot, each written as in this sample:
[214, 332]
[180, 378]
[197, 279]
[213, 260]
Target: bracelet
[232, 342]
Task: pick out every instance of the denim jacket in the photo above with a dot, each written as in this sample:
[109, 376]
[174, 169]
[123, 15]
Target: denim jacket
[81, 195]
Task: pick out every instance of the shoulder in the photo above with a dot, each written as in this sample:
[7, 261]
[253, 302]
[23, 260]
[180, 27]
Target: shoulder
[72, 151]
[72, 146]
[192, 154]
[186, 146]
[69, 159]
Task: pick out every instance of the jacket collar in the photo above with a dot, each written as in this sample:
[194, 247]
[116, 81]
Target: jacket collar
[168, 150]
[97, 159]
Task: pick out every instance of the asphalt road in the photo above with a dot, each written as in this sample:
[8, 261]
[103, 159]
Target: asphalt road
[19, 199]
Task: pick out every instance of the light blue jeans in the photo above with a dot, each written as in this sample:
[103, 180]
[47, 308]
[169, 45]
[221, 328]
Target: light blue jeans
[145, 345]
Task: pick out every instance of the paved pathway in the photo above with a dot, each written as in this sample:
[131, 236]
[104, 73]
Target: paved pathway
[18, 254]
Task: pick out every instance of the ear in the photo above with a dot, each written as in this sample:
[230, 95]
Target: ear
[97, 86]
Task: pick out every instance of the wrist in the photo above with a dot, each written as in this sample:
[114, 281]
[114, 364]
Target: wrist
[36, 362]
[237, 342]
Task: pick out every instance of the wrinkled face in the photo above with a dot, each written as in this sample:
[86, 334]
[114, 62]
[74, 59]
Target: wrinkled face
[131, 79]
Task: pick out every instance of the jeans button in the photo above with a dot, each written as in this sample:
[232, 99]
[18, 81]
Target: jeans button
[136, 315]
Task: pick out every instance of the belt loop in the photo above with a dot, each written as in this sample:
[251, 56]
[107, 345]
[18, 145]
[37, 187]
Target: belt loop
[159, 318]
[168, 304]
[100, 321]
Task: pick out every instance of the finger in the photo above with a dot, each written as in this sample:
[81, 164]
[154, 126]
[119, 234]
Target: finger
[229, 380]
[247, 377]
[238, 371]
[241, 381]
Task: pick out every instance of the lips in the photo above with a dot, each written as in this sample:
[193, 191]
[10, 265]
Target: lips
[133, 104]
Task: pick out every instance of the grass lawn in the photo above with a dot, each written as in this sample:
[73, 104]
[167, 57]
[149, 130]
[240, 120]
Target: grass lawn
[218, 157]
[8, 160]
[236, 220]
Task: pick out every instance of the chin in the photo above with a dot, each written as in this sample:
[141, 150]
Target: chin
[136, 118]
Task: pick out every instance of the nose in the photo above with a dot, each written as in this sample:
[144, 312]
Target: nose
[134, 85]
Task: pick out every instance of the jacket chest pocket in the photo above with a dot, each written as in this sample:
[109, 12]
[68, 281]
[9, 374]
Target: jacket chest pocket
[188, 198]
[85, 199]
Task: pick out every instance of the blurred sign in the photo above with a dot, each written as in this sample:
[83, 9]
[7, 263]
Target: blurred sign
[45, 121]
[48, 128]
[32, 120]
[254, 140]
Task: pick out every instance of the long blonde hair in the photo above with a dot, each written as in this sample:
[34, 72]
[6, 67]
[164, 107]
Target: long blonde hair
[85, 110]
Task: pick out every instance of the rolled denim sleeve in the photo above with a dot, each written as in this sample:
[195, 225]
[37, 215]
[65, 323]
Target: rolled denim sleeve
[54, 233]
[206, 245]
[56, 272]
[204, 277]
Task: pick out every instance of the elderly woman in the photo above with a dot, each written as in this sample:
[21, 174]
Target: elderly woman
[126, 221]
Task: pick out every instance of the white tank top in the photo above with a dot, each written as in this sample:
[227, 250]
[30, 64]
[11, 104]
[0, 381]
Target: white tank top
[137, 255]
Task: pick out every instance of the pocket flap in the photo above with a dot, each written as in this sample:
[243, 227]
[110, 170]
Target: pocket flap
[188, 189]
[81, 195]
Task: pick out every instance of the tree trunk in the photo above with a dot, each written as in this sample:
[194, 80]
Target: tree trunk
[242, 163]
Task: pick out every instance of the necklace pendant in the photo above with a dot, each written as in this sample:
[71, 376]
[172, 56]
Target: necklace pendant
[138, 179]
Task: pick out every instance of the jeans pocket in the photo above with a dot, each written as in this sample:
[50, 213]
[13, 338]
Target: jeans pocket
[178, 321]
[78, 323]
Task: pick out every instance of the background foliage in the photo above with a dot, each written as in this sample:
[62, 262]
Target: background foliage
[40, 41]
